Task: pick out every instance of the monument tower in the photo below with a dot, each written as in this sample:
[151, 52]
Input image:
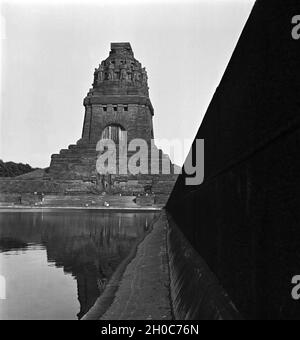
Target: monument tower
[118, 102]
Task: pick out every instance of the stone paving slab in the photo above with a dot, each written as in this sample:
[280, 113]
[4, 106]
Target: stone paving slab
[143, 293]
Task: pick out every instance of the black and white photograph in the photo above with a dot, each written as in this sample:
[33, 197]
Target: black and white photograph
[149, 163]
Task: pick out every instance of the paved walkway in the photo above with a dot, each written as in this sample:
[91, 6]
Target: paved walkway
[143, 293]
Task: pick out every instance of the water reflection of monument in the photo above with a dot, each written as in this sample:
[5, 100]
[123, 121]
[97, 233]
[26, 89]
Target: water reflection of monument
[89, 246]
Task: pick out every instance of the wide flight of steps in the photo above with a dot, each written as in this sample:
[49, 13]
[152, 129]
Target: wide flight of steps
[68, 183]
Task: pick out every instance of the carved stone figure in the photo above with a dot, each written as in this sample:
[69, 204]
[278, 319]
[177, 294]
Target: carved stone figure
[111, 73]
[123, 74]
[144, 76]
[101, 73]
[136, 76]
[95, 76]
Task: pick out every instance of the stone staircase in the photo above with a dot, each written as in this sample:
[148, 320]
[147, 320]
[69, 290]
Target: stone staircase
[78, 162]
[73, 173]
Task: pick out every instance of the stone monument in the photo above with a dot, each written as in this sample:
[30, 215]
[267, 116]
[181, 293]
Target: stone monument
[118, 104]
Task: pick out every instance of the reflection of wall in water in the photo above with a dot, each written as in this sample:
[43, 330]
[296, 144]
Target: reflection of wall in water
[88, 245]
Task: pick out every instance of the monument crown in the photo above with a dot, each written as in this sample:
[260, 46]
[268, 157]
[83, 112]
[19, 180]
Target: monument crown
[123, 47]
[120, 71]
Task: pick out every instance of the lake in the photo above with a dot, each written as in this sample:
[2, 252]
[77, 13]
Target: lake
[56, 263]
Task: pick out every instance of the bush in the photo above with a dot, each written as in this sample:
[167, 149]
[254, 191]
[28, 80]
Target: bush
[11, 169]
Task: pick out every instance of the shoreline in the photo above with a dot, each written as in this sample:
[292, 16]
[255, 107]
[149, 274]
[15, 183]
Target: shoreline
[106, 299]
[142, 288]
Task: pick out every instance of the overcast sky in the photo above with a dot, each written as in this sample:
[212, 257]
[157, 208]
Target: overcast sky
[49, 51]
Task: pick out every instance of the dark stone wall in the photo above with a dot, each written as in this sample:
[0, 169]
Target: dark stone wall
[196, 293]
[244, 219]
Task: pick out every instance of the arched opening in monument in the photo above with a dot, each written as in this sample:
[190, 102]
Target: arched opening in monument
[114, 132]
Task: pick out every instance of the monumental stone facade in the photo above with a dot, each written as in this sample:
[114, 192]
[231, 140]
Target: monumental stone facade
[118, 102]
[119, 97]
